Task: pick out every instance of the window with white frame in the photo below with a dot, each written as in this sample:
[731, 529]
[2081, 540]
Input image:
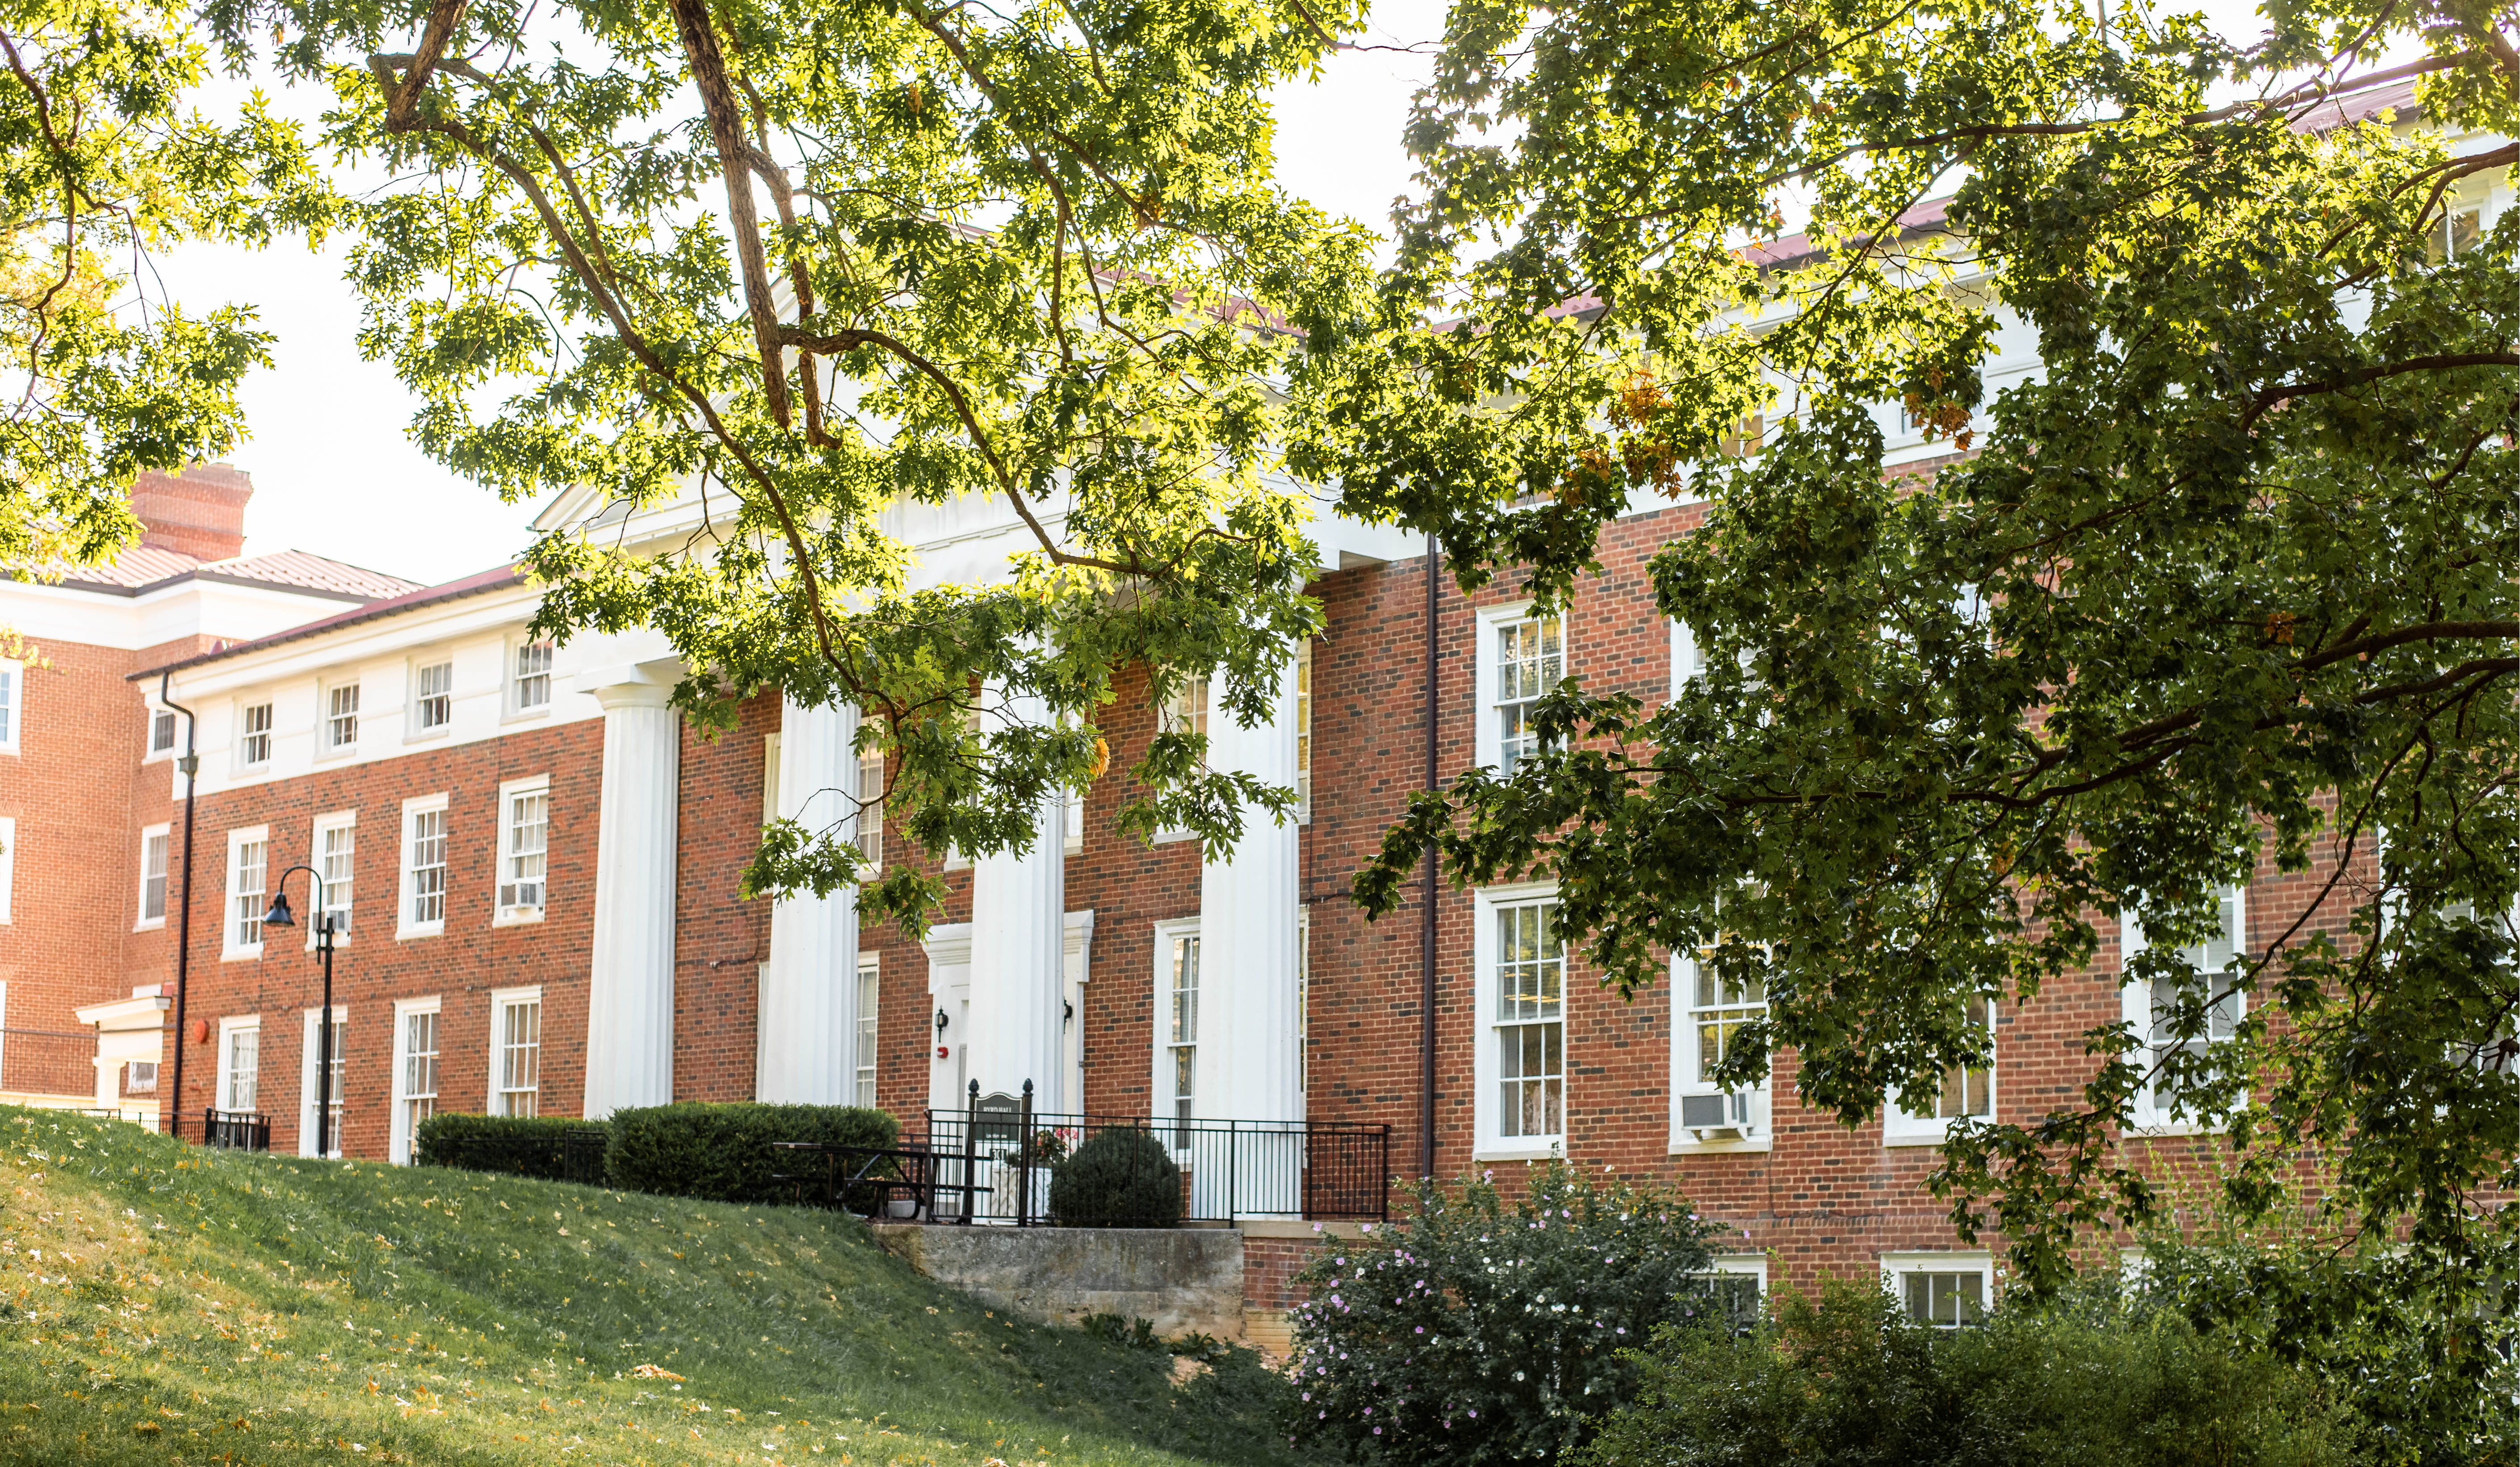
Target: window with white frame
[870, 828]
[341, 717]
[8, 864]
[1304, 731]
[1523, 658]
[240, 1063]
[248, 865]
[13, 691]
[311, 1069]
[869, 994]
[1710, 1011]
[516, 1053]
[529, 678]
[2454, 234]
[1963, 1091]
[1522, 1062]
[2212, 966]
[1688, 657]
[335, 858]
[770, 746]
[253, 747]
[1737, 1286]
[525, 838]
[415, 1071]
[162, 732]
[432, 696]
[424, 867]
[1940, 1290]
[152, 877]
[1185, 712]
[140, 1076]
[1177, 1020]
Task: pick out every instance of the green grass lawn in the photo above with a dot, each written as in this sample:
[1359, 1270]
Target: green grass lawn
[163, 1304]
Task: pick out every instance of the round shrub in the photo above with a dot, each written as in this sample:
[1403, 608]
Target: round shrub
[1117, 1179]
[1490, 1331]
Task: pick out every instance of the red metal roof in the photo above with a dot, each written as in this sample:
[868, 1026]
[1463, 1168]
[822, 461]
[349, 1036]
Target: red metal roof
[496, 578]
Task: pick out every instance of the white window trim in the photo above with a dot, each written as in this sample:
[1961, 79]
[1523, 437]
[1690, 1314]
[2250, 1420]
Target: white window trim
[8, 867]
[271, 735]
[1308, 673]
[1685, 664]
[509, 711]
[1488, 745]
[15, 672]
[1753, 1266]
[2134, 1002]
[870, 965]
[143, 923]
[326, 750]
[770, 746]
[148, 732]
[1205, 687]
[412, 732]
[1900, 1129]
[1489, 1145]
[400, 1141]
[226, 1059]
[230, 951]
[500, 998]
[1761, 1134]
[332, 820]
[307, 1069]
[404, 926]
[1896, 1267]
[520, 917]
[1159, 1078]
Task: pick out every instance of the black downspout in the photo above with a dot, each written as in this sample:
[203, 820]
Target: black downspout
[172, 1106]
[1426, 933]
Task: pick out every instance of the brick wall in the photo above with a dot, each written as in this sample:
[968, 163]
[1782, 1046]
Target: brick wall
[75, 886]
[373, 968]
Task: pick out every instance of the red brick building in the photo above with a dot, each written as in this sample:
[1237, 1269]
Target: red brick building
[537, 863]
[90, 835]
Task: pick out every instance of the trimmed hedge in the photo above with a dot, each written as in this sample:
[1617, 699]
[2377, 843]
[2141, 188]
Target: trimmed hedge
[519, 1146]
[721, 1152]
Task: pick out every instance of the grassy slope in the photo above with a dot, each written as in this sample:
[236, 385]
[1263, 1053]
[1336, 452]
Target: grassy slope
[163, 1304]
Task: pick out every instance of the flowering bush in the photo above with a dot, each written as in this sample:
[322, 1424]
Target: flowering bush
[1488, 1331]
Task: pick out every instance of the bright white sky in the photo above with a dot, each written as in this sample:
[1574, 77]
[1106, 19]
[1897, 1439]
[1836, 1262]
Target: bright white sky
[335, 474]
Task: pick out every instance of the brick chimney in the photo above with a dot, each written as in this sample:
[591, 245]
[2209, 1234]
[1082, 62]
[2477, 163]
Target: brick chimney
[199, 512]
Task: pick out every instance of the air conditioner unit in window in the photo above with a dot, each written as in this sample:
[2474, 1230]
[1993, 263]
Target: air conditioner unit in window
[522, 894]
[1724, 1117]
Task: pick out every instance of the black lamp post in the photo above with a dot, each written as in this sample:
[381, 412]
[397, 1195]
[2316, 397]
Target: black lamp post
[280, 916]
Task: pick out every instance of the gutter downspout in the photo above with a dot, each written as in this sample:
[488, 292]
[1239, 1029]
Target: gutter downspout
[1426, 906]
[172, 1107]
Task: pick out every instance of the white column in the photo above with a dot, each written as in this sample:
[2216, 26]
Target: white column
[1250, 1066]
[809, 992]
[630, 989]
[1018, 946]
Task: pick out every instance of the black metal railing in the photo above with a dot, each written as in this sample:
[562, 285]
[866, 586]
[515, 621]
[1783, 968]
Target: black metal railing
[573, 1155]
[996, 1161]
[235, 1130]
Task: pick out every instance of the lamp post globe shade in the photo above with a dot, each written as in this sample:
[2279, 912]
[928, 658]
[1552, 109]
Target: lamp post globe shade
[280, 915]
